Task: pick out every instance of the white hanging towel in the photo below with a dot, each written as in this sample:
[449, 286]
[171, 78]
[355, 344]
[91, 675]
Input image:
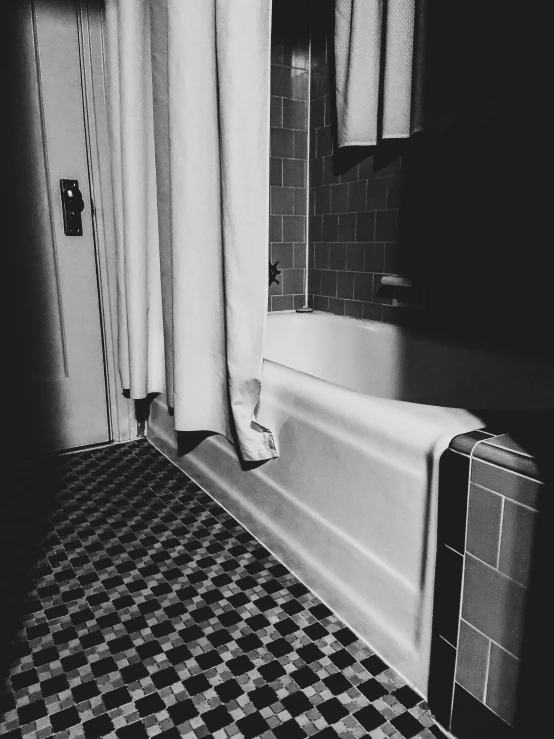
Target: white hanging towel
[374, 46]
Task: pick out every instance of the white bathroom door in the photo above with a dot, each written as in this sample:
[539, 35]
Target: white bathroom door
[56, 320]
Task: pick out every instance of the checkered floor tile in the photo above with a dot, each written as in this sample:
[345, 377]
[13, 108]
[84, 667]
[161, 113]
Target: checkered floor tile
[147, 611]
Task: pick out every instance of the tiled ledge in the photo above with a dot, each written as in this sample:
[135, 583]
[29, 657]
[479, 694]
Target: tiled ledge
[501, 450]
[464, 443]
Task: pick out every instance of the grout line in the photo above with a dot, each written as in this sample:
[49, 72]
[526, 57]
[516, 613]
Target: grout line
[506, 497]
[494, 442]
[487, 673]
[447, 642]
[455, 551]
[494, 569]
[308, 122]
[505, 469]
[268, 307]
[497, 558]
[486, 636]
[86, 448]
[471, 459]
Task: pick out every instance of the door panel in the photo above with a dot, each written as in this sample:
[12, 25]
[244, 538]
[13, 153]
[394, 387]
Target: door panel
[54, 294]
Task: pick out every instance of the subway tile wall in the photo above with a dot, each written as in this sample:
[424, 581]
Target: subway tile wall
[289, 151]
[451, 533]
[441, 207]
[355, 199]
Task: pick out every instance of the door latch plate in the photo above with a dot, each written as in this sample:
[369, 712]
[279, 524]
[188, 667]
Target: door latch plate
[72, 207]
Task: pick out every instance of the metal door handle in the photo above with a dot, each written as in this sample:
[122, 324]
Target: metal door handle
[73, 200]
[72, 206]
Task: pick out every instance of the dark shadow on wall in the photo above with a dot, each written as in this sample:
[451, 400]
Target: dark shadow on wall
[29, 486]
[473, 205]
[187, 441]
[142, 410]
[472, 201]
[534, 695]
[474, 224]
[533, 431]
[475, 212]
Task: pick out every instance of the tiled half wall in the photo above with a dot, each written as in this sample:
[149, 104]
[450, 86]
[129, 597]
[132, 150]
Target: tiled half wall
[490, 626]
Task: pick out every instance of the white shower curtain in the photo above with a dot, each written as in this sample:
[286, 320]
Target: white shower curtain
[205, 136]
[129, 82]
[374, 58]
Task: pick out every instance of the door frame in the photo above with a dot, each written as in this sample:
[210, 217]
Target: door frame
[90, 13]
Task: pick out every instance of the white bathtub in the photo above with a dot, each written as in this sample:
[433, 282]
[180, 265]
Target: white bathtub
[361, 412]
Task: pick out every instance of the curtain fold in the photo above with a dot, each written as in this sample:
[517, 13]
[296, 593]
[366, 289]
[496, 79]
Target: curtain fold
[160, 72]
[129, 86]
[393, 68]
[210, 152]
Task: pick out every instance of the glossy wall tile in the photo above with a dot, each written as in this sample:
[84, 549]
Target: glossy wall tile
[289, 151]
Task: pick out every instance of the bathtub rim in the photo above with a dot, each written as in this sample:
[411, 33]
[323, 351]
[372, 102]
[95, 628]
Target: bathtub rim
[456, 340]
[524, 410]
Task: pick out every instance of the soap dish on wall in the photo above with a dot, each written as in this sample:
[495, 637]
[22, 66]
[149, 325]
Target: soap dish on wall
[400, 289]
[396, 281]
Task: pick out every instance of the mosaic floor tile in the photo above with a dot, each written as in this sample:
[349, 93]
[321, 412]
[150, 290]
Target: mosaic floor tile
[142, 609]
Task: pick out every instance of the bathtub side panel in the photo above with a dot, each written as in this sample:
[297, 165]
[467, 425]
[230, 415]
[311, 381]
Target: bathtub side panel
[348, 505]
[352, 584]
